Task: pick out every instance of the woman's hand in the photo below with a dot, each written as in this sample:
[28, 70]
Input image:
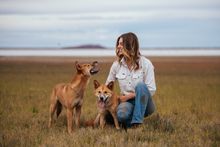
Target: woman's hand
[124, 98]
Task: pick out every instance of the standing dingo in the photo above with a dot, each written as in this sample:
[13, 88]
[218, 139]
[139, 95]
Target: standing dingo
[70, 95]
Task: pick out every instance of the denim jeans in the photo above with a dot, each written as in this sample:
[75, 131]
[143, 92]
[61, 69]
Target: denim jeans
[134, 110]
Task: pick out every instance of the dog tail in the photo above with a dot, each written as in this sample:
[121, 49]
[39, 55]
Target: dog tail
[59, 108]
[89, 123]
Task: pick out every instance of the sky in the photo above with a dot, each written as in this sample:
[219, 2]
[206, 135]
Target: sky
[64, 23]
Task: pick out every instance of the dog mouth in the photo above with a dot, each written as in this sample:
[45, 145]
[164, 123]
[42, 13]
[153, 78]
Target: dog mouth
[102, 103]
[94, 71]
[95, 68]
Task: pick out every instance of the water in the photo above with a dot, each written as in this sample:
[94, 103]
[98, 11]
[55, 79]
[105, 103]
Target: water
[106, 52]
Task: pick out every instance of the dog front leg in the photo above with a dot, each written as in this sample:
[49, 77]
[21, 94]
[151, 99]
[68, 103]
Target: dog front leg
[78, 113]
[102, 121]
[69, 113]
[97, 120]
[115, 120]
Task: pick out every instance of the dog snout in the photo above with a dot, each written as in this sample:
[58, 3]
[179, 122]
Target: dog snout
[95, 68]
[101, 98]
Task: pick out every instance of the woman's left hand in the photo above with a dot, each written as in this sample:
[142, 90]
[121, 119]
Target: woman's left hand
[124, 98]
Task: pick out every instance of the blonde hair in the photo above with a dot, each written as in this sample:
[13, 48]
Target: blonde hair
[131, 48]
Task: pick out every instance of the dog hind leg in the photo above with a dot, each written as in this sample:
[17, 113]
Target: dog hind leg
[52, 110]
[53, 106]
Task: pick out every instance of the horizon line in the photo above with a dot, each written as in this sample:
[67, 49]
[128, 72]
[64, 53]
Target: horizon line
[73, 47]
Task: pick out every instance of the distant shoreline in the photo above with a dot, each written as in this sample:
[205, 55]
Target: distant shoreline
[106, 52]
[108, 48]
[106, 59]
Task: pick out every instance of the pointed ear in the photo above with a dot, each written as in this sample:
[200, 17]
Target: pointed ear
[110, 85]
[77, 65]
[96, 84]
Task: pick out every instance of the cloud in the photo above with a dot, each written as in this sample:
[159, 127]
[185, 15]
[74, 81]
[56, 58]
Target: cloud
[84, 6]
[73, 22]
[76, 21]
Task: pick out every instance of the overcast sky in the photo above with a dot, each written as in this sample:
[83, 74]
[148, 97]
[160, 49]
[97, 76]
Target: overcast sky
[157, 23]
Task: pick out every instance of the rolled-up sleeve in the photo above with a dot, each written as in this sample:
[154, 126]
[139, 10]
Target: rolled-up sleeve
[112, 73]
[150, 78]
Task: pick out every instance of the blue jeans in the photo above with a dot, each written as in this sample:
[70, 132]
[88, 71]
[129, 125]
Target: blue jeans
[134, 110]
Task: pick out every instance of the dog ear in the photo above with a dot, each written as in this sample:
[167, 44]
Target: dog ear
[110, 85]
[78, 67]
[96, 84]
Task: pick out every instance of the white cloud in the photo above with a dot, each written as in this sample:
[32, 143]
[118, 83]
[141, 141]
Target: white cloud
[50, 22]
[84, 6]
[79, 21]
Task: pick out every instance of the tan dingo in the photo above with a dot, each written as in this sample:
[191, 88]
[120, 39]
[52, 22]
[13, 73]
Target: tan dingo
[70, 95]
[107, 100]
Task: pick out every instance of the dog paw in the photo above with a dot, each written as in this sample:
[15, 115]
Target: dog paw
[70, 132]
[118, 128]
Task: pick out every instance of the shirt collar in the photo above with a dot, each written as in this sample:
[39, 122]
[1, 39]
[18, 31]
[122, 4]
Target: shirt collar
[122, 61]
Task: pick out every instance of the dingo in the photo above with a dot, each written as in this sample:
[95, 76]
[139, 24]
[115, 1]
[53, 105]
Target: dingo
[107, 100]
[70, 95]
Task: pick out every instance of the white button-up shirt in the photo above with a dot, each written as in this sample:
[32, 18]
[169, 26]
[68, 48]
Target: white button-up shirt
[128, 79]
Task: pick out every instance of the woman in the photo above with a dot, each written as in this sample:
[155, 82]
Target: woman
[135, 75]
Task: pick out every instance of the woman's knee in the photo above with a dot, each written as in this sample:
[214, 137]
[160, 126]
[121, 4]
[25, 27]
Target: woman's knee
[150, 108]
[140, 85]
[142, 88]
[124, 111]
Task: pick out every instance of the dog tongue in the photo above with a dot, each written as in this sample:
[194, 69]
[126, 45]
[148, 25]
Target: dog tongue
[101, 104]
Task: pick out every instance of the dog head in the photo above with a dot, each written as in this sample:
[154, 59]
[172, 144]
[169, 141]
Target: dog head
[103, 93]
[87, 69]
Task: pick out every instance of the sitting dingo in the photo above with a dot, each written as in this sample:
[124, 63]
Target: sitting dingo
[70, 95]
[107, 100]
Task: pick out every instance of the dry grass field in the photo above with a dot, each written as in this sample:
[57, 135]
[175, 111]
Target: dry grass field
[187, 101]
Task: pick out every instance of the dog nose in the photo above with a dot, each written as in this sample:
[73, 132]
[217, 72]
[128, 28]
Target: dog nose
[101, 98]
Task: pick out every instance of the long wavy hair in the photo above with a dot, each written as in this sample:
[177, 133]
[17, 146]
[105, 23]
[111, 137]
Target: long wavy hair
[131, 49]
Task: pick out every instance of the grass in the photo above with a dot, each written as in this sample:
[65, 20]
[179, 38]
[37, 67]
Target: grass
[187, 101]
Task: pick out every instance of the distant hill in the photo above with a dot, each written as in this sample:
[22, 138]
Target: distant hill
[86, 46]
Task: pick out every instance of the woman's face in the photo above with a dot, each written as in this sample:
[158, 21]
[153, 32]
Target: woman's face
[120, 47]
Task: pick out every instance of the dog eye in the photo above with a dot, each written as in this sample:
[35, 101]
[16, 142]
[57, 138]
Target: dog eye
[99, 92]
[105, 92]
